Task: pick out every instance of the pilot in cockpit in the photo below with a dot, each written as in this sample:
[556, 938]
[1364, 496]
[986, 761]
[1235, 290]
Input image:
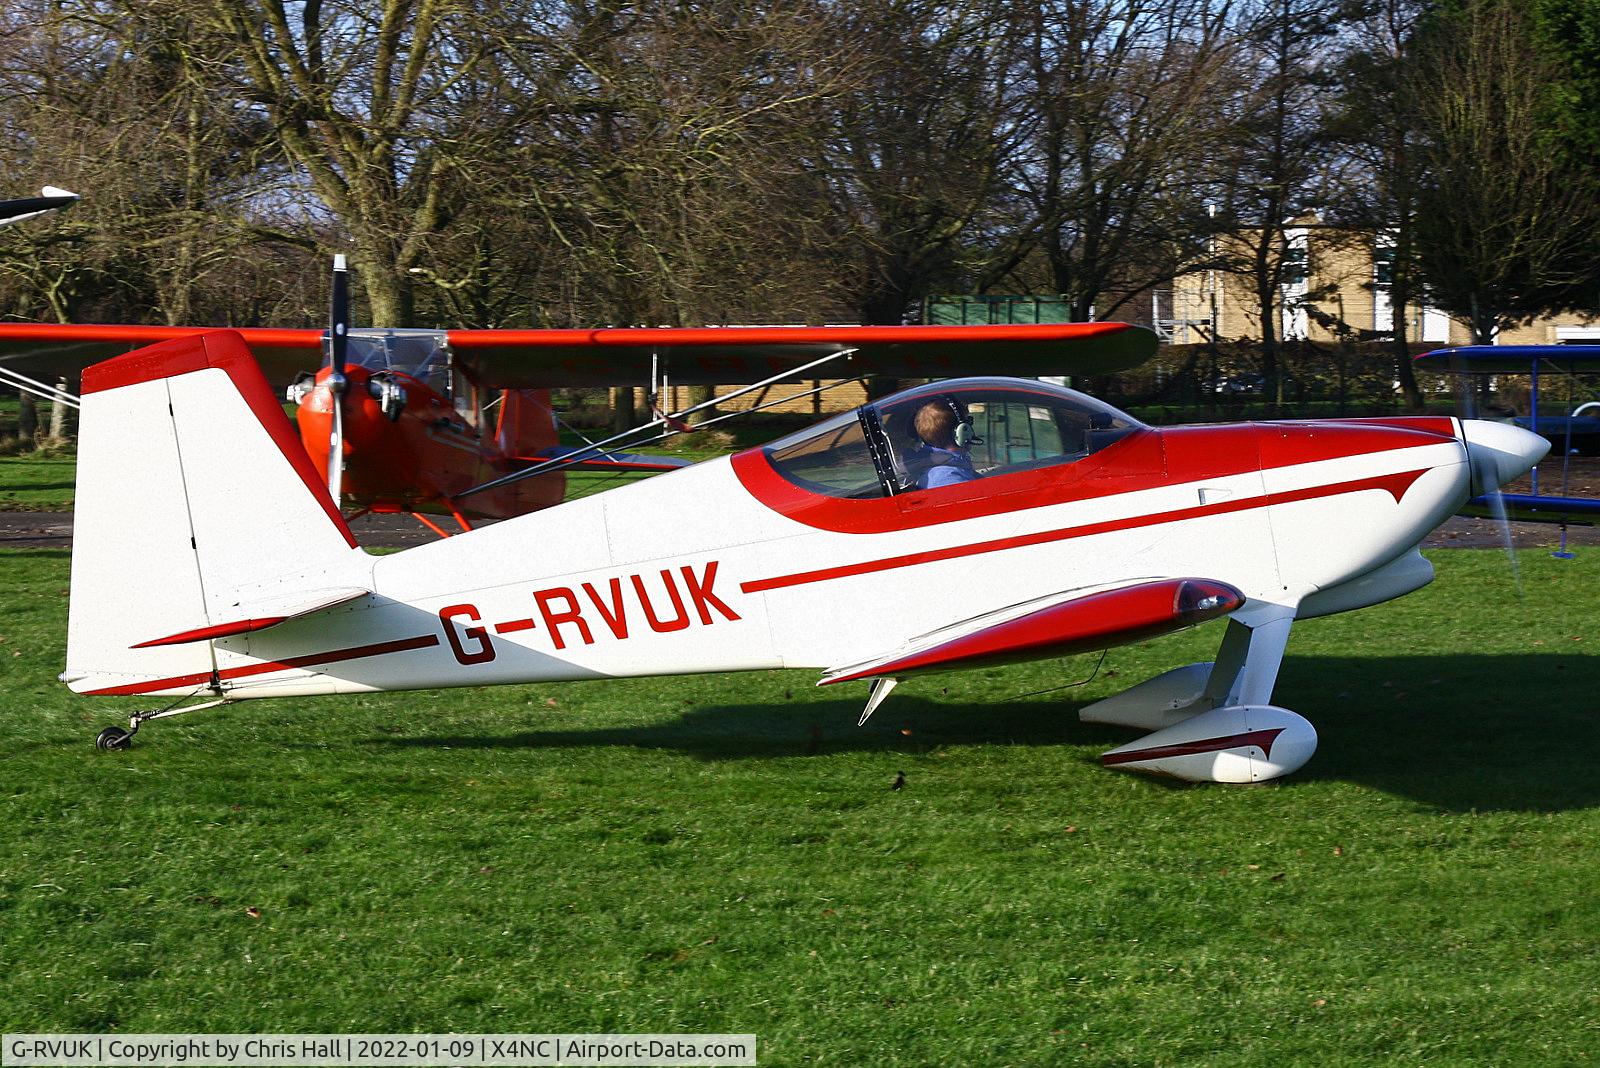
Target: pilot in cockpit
[943, 459]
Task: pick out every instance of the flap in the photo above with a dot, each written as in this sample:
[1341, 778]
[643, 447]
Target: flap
[1072, 622]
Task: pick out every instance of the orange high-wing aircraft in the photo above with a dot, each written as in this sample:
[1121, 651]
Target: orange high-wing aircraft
[459, 422]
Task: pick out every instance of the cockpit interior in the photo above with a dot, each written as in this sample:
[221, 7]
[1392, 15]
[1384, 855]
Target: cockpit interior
[946, 433]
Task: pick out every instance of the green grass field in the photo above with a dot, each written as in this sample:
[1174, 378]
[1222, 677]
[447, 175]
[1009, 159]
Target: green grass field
[671, 855]
[36, 483]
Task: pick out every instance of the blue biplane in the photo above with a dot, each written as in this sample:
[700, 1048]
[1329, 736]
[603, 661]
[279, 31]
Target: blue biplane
[1572, 429]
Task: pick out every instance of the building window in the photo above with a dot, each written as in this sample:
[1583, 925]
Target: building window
[1383, 266]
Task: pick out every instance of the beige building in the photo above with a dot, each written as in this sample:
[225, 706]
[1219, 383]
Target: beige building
[1335, 281]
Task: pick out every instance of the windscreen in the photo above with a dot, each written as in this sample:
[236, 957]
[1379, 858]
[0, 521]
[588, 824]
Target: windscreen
[830, 458]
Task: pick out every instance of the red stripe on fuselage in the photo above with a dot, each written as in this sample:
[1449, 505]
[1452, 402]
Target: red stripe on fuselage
[335, 656]
[1395, 484]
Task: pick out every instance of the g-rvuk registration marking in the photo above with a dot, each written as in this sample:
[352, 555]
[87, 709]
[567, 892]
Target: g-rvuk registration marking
[619, 605]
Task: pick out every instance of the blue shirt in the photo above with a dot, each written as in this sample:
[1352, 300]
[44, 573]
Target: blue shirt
[943, 467]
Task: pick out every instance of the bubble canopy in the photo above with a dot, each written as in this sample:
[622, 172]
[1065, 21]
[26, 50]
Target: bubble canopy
[1010, 424]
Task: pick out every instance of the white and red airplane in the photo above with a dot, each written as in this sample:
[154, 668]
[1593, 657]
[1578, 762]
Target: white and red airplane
[210, 564]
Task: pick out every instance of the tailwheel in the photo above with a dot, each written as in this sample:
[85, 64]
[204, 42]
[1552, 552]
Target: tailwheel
[117, 738]
[113, 738]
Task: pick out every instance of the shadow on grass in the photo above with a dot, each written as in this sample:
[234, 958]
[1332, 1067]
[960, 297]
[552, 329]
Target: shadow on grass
[1461, 733]
[908, 724]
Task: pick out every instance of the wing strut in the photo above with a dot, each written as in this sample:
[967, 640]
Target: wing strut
[598, 447]
[20, 381]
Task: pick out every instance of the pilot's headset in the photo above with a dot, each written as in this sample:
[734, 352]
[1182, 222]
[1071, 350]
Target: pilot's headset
[965, 434]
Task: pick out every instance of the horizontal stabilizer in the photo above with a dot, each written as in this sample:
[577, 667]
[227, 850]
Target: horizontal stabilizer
[259, 615]
[1072, 622]
[49, 199]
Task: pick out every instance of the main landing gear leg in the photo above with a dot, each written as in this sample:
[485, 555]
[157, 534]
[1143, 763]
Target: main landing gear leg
[1244, 672]
[1229, 732]
[115, 738]
[1248, 662]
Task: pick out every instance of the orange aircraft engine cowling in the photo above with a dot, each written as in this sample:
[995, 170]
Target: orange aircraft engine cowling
[418, 461]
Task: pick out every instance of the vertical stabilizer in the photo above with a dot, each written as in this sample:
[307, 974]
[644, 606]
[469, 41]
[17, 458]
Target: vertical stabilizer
[192, 484]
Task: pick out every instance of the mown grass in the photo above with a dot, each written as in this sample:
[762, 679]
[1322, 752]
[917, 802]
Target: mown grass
[725, 854]
[36, 483]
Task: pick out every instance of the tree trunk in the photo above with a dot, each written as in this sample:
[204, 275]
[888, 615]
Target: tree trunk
[390, 294]
[58, 416]
[623, 416]
[27, 417]
[699, 395]
[1409, 390]
[1271, 384]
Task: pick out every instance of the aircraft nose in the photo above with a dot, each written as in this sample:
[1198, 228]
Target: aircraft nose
[1499, 453]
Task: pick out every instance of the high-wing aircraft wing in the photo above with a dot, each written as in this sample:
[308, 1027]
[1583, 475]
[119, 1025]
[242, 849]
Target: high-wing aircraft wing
[525, 359]
[1562, 428]
[1512, 359]
[737, 354]
[63, 350]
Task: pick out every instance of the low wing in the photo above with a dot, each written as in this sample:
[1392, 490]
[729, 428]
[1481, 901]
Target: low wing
[1072, 622]
[535, 359]
[728, 355]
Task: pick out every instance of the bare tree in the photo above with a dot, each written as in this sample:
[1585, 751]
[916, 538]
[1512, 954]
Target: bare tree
[667, 168]
[1376, 122]
[914, 149]
[174, 176]
[1506, 216]
[1119, 104]
[1276, 156]
[378, 107]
